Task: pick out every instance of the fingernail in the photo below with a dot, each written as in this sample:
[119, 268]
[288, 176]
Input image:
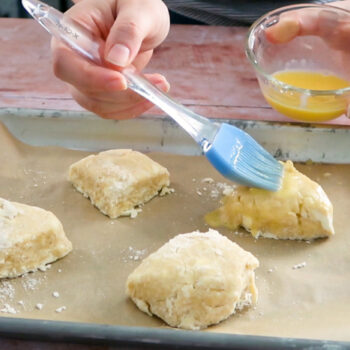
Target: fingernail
[119, 55]
[117, 85]
[164, 86]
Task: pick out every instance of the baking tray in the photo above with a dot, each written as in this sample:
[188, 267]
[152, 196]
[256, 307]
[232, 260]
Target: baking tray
[86, 132]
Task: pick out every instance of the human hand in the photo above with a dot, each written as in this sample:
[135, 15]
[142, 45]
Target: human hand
[131, 30]
[331, 27]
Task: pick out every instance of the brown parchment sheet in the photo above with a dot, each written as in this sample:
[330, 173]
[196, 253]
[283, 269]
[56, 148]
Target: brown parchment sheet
[310, 302]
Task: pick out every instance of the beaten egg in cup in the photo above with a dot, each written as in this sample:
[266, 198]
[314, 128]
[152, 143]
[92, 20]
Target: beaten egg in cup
[299, 54]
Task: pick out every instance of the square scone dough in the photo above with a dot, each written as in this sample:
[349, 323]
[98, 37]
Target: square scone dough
[117, 181]
[30, 238]
[195, 280]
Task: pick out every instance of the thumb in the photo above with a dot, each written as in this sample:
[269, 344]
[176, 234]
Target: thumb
[136, 29]
[294, 23]
[283, 31]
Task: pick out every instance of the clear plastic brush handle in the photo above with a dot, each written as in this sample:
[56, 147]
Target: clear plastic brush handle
[84, 43]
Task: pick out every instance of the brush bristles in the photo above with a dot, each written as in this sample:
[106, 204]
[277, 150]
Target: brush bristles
[236, 155]
[257, 167]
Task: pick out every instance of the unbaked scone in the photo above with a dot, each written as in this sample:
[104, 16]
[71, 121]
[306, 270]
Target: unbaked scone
[30, 237]
[299, 210]
[195, 280]
[118, 180]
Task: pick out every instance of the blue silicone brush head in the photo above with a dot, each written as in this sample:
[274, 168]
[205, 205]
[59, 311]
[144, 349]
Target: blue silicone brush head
[238, 157]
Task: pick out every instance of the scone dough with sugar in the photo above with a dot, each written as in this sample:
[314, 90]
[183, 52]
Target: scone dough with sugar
[195, 280]
[299, 210]
[30, 237]
[118, 180]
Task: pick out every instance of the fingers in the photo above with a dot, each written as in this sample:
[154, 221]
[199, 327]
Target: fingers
[292, 24]
[118, 105]
[158, 80]
[85, 76]
[142, 59]
[131, 29]
[329, 25]
[342, 4]
[139, 26]
[96, 16]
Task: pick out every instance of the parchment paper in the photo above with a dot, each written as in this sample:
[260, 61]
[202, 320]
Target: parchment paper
[310, 302]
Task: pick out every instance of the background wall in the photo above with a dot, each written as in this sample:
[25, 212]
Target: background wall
[13, 8]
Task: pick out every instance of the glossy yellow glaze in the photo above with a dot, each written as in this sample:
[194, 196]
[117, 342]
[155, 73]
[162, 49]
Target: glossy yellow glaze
[299, 210]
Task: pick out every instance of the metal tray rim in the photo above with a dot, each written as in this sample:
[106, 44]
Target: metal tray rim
[78, 332]
[296, 141]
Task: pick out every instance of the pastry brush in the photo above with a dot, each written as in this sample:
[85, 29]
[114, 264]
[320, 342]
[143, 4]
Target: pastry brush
[234, 153]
